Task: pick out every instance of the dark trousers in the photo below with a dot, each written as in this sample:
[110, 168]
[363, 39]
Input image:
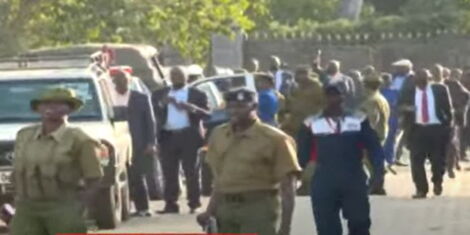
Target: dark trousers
[181, 148]
[428, 142]
[206, 179]
[464, 141]
[330, 198]
[138, 188]
[453, 149]
[154, 181]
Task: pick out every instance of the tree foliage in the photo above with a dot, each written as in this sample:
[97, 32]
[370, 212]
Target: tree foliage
[316, 10]
[186, 25]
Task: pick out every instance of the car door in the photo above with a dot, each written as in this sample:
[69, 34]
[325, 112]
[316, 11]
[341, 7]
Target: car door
[216, 104]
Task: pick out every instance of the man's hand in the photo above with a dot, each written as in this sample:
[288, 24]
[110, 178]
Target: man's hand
[150, 150]
[407, 108]
[187, 106]
[169, 100]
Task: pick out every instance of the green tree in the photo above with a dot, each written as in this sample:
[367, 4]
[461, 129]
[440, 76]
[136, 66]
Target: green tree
[294, 10]
[387, 7]
[187, 25]
[429, 7]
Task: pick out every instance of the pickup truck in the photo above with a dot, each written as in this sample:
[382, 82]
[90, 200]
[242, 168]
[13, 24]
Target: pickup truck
[19, 86]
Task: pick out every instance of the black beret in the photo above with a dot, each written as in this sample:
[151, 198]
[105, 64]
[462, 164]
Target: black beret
[241, 95]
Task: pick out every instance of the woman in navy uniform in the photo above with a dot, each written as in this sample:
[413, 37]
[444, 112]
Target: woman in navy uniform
[339, 181]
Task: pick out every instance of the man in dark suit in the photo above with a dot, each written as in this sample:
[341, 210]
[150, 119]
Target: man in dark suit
[428, 111]
[460, 98]
[180, 111]
[141, 121]
[332, 75]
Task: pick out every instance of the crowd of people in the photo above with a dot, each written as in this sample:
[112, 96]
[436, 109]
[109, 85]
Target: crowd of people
[318, 125]
[343, 122]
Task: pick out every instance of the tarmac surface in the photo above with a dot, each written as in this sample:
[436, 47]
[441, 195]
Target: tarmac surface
[394, 214]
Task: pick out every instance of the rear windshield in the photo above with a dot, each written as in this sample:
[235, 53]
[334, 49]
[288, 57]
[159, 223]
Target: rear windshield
[16, 95]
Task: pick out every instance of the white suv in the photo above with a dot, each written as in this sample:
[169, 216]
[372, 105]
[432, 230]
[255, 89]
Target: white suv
[19, 86]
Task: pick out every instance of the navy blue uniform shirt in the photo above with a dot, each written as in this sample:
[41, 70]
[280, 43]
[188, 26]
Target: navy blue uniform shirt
[340, 145]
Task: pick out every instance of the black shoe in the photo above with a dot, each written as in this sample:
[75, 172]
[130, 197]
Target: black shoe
[400, 163]
[192, 211]
[438, 189]
[193, 207]
[451, 174]
[378, 192]
[142, 214]
[156, 198]
[419, 195]
[170, 210]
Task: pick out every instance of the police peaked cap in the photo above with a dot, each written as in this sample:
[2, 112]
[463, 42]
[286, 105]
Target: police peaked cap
[241, 95]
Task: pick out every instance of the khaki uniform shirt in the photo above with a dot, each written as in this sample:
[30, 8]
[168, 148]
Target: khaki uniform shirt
[378, 112]
[52, 166]
[256, 159]
[304, 101]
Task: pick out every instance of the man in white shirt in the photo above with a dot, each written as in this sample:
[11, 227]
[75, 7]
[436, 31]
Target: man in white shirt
[180, 110]
[283, 80]
[428, 108]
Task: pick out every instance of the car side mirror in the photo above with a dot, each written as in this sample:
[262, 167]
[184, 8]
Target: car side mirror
[120, 114]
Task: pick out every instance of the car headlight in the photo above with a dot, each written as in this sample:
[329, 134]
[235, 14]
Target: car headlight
[6, 158]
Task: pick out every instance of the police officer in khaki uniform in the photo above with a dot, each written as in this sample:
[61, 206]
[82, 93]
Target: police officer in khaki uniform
[51, 159]
[376, 107]
[253, 164]
[306, 99]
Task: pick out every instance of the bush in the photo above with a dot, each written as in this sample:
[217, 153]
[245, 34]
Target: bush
[375, 25]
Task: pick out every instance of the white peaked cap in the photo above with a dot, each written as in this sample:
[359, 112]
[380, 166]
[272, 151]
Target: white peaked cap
[194, 69]
[404, 63]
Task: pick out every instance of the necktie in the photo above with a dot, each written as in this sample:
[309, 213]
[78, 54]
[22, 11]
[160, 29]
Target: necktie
[424, 107]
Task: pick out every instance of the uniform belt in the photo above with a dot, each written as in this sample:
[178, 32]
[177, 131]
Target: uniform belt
[249, 196]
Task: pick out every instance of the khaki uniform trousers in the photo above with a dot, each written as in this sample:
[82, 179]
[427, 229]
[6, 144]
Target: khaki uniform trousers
[252, 212]
[47, 218]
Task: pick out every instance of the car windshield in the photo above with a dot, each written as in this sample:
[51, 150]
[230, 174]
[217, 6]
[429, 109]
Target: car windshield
[15, 96]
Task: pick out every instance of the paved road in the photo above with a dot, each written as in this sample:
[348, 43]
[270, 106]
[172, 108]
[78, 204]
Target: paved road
[392, 215]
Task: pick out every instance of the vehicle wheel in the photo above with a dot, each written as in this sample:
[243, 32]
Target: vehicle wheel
[126, 202]
[109, 208]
